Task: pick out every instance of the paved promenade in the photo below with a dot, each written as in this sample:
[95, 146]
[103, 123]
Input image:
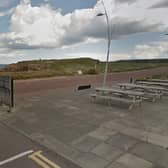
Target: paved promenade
[58, 118]
[17, 151]
[94, 135]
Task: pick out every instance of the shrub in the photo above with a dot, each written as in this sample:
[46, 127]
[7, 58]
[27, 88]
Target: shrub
[91, 71]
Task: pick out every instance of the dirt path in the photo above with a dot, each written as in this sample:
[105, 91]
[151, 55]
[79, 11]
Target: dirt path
[40, 85]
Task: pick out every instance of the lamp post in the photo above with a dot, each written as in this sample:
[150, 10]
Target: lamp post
[109, 42]
[166, 34]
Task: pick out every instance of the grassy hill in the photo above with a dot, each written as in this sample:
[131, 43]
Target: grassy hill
[49, 68]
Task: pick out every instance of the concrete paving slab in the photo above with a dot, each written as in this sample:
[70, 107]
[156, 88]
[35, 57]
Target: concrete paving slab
[158, 166]
[140, 134]
[15, 151]
[86, 143]
[152, 153]
[89, 160]
[57, 119]
[107, 151]
[68, 134]
[102, 133]
[144, 135]
[22, 125]
[117, 165]
[132, 161]
[53, 144]
[113, 125]
[157, 139]
[2, 112]
[122, 141]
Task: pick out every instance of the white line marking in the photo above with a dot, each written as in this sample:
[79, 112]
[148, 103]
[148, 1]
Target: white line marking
[16, 157]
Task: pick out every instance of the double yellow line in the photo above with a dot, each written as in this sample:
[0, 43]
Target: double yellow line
[42, 160]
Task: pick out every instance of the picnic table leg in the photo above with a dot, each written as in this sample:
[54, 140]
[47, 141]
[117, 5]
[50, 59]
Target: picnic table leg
[139, 98]
[154, 99]
[93, 98]
[140, 103]
[160, 96]
[131, 106]
[109, 103]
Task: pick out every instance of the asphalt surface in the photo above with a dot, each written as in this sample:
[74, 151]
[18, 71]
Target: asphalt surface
[17, 151]
[22, 87]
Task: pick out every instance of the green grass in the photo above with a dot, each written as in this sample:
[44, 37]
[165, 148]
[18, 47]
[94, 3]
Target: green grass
[50, 68]
[160, 76]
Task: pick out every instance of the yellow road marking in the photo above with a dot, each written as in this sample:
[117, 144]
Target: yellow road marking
[42, 160]
[39, 162]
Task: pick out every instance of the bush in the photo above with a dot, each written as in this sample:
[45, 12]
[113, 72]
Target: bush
[91, 71]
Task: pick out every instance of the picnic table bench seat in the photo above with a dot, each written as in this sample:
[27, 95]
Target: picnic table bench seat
[150, 83]
[158, 80]
[152, 96]
[145, 88]
[109, 98]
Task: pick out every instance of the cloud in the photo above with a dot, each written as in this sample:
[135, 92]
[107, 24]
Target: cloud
[25, 2]
[8, 55]
[5, 3]
[34, 27]
[126, 1]
[99, 56]
[151, 51]
[7, 12]
[120, 56]
[161, 4]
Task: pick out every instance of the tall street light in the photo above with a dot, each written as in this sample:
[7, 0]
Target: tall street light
[166, 34]
[109, 42]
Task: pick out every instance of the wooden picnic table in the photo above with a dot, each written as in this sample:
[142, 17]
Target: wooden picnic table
[153, 83]
[155, 89]
[158, 80]
[134, 94]
[132, 98]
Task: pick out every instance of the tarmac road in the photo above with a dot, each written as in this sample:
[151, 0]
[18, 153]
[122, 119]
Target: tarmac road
[17, 151]
[43, 85]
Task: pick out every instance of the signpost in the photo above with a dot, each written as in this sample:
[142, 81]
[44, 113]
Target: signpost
[6, 91]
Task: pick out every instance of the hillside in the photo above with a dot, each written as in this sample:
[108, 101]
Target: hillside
[49, 68]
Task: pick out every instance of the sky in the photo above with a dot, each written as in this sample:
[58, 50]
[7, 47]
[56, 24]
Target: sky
[58, 29]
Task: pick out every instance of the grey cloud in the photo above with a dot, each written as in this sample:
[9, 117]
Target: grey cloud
[126, 1]
[95, 29]
[6, 13]
[122, 27]
[161, 4]
[65, 30]
[5, 3]
[13, 44]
